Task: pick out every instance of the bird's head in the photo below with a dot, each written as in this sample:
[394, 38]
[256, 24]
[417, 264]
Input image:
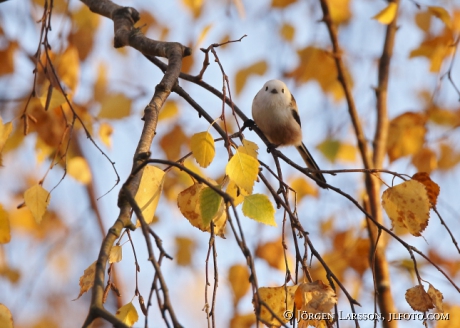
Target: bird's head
[276, 89]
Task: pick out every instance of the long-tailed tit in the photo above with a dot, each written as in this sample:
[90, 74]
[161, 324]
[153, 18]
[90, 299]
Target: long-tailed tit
[275, 112]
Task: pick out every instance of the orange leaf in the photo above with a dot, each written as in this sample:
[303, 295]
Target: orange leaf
[238, 276]
[184, 250]
[406, 135]
[287, 31]
[282, 3]
[425, 160]
[273, 253]
[431, 187]
[318, 65]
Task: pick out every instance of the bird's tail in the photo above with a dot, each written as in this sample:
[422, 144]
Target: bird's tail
[311, 164]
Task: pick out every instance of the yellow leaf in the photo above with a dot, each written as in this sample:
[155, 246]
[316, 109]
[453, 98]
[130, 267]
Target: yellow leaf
[258, 207]
[273, 253]
[238, 276]
[436, 297]
[406, 135]
[188, 202]
[68, 67]
[258, 68]
[250, 148]
[37, 199]
[449, 158]
[5, 234]
[55, 98]
[105, 133]
[418, 299]
[388, 14]
[13, 141]
[246, 320]
[87, 279]
[243, 170]
[287, 31]
[149, 192]
[100, 87]
[335, 150]
[78, 168]
[442, 14]
[203, 35]
[202, 145]
[347, 153]
[169, 110]
[116, 254]
[315, 297]
[431, 187]
[407, 205]
[435, 49]
[340, 11]
[5, 131]
[195, 6]
[6, 319]
[425, 160]
[115, 106]
[236, 193]
[277, 298]
[127, 314]
[210, 205]
[43, 150]
[282, 3]
[444, 116]
[184, 250]
[319, 65]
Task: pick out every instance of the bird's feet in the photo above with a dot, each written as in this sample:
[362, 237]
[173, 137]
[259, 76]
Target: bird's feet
[248, 124]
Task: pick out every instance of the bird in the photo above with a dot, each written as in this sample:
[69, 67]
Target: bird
[275, 113]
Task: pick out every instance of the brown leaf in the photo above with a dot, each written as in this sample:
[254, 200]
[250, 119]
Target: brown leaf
[418, 299]
[436, 296]
[315, 297]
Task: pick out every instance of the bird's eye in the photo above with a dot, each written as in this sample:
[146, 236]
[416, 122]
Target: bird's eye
[282, 90]
[266, 88]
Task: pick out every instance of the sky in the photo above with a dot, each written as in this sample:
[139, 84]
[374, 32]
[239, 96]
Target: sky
[321, 117]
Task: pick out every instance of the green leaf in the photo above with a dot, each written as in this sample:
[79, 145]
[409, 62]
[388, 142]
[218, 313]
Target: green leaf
[258, 207]
[209, 205]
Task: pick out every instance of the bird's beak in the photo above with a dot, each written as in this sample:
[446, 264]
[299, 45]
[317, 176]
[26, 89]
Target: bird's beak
[274, 91]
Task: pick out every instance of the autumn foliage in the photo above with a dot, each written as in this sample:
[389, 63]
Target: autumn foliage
[137, 191]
